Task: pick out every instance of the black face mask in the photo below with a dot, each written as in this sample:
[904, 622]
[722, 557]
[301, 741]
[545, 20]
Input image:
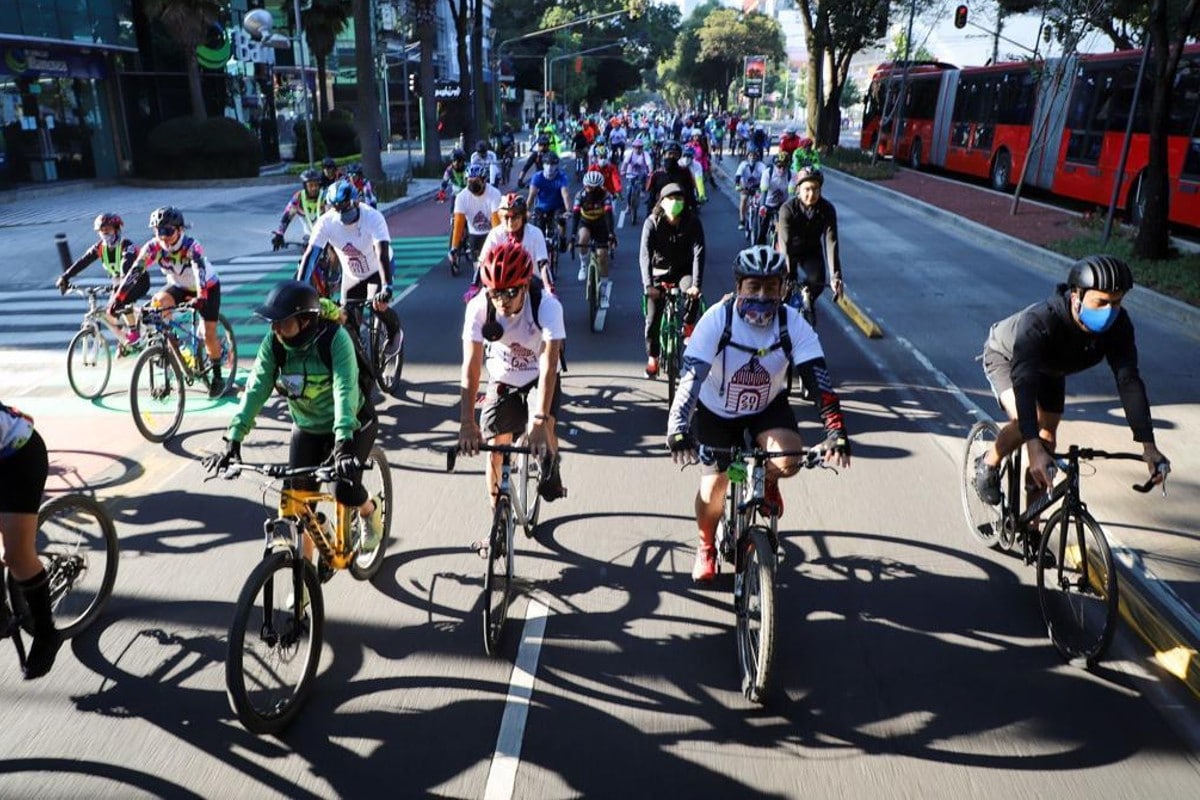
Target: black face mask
[670, 162]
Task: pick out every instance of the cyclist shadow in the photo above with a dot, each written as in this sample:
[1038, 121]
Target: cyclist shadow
[603, 415]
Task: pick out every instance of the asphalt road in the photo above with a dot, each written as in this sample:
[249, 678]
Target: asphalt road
[910, 663]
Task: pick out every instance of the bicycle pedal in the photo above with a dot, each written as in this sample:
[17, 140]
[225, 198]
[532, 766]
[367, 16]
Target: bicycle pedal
[481, 548]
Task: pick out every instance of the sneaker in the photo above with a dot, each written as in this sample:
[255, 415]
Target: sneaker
[705, 567]
[772, 499]
[582, 276]
[741, 227]
[373, 528]
[987, 482]
[133, 337]
[605, 292]
[652, 367]
[550, 487]
[42, 653]
[216, 388]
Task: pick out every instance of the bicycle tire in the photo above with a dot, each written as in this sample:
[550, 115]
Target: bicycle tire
[528, 476]
[77, 542]
[754, 605]
[497, 581]
[165, 398]
[672, 359]
[377, 338]
[1078, 595]
[365, 565]
[89, 363]
[983, 521]
[228, 344]
[267, 703]
[593, 292]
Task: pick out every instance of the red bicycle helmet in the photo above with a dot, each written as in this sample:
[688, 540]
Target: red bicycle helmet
[109, 219]
[507, 265]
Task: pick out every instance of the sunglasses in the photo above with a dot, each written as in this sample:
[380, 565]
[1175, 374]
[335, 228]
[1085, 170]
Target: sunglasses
[505, 294]
[166, 230]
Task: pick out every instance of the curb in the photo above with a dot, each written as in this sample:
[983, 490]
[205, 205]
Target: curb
[387, 209]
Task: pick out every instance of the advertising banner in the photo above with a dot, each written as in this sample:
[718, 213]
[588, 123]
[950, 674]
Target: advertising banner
[756, 71]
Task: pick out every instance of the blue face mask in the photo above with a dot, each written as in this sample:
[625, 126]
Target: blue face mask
[350, 216]
[1097, 320]
[757, 310]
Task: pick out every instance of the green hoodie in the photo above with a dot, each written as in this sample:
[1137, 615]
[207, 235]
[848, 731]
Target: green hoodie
[318, 402]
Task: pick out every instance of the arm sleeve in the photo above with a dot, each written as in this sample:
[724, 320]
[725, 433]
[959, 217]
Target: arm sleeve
[312, 255]
[1122, 358]
[698, 253]
[259, 384]
[833, 258]
[691, 378]
[814, 374]
[129, 258]
[644, 251]
[89, 257]
[1029, 343]
[783, 225]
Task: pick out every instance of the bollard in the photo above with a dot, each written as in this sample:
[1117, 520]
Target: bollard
[64, 250]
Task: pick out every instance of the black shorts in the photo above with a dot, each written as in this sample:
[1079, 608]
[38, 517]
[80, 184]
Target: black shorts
[598, 228]
[1052, 389]
[23, 476]
[717, 431]
[506, 408]
[212, 305]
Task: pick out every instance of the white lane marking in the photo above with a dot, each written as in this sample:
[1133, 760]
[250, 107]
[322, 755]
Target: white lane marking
[621, 221]
[406, 292]
[502, 776]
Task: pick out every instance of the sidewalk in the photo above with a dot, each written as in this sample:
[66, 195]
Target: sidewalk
[1161, 611]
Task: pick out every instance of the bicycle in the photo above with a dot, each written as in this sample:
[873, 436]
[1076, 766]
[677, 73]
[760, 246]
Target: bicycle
[1076, 580]
[748, 538]
[512, 509]
[671, 334]
[89, 355]
[372, 334]
[77, 543]
[591, 286]
[174, 357]
[278, 623]
[506, 165]
[466, 255]
[633, 195]
[547, 223]
[750, 220]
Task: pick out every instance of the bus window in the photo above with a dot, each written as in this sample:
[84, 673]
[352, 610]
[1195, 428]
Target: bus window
[985, 127]
[1117, 113]
[965, 110]
[922, 99]
[1016, 98]
[1185, 102]
[1090, 109]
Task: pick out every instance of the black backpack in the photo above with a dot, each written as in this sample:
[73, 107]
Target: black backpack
[784, 341]
[366, 370]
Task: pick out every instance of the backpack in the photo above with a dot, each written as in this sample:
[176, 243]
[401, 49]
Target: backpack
[535, 302]
[366, 370]
[784, 341]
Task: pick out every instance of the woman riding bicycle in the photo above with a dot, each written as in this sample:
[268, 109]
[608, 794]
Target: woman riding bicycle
[735, 373]
[24, 467]
[130, 282]
[672, 251]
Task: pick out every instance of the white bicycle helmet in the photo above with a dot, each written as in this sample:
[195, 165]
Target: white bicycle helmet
[759, 261]
[593, 179]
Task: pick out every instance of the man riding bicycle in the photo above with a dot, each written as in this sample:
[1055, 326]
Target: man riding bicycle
[808, 236]
[671, 172]
[549, 199]
[521, 346]
[635, 168]
[592, 224]
[672, 251]
[487, 157]
[515, 227]
[118, 255]
[775, 189]
[454, 179]
[307, 203]
[541, 149]
[734, 383]
[748, 179]
[476, 212]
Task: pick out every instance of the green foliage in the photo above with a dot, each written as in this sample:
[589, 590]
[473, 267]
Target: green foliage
[1177, 276]
[857, 163]
[339, 135]
[301, 131]
[895, 51]
[187, 148]
[851, 94]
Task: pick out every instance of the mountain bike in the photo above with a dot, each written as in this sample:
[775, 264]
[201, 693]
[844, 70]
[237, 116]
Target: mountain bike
[372, 335]
[174, 358]
[751, 221]
[77, 543]
[748, 538]
[547, 223]
[89, 355]
[1076, 579]
[671, 333]
[515, 506]
[633, 195]
[278, 623]
[591, 285]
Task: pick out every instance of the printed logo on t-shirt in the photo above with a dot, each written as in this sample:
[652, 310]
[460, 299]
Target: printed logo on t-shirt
[749, 388]
[356, 261]
[521, 358]
[481, 221]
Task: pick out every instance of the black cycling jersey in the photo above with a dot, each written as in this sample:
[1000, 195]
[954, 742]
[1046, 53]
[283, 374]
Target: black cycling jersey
[1044, 339]
[676, 250]
[808, 233]
[662, 177]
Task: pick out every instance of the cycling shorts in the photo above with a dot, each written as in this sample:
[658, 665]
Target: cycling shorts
[506, 408]
[23, 475]
[1052, 389]
[721, 432]
[212, 305]
[598, 228]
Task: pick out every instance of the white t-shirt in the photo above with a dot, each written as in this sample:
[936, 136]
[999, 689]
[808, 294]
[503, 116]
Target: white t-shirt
[533, 240]
[513, 358]
[478, 208]
[355, 244]
[741, 383]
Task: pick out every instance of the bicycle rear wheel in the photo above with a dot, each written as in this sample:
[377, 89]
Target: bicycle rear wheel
[593, 292]
[89, 363]
[378, 483]
[497, 581]
[754, 605]
[77, 543]
[377, 341]
[156, 394]
[983, 521]
[529, 474]
[1077, 586]
[229, 363]
[274, 644]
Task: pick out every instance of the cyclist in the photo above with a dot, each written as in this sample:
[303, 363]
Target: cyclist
[689, 160]
[617, 138]
[605, 163]
[541, 149]
[807, 235]
[332, 420]
[748, 178]
[24, 467]
[454, 178]
[672, 251]
[592, 224]
[580, 143]
[118, 255]
[774, 188]
[671, 171]
[358, 177]
[189, 277]
[514, 226]
[699, 145]
[549, 197]
[789, 141]
[476, 212]
[740, 388]
[487, 157]
[358, 235]
[1028, 355]
[330, 173]
[521, 347]
[635, 167]
[308, 203]
[506, 144]
[806, 155]
[760, 140]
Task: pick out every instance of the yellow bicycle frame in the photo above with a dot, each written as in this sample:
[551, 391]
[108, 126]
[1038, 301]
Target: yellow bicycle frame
[300, 505]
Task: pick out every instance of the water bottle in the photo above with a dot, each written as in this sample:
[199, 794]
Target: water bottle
[737, 472]
[189, 358]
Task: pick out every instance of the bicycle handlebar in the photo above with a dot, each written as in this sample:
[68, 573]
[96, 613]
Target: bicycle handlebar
[452, 452]
[324, 473]
[90, 291]
[810, 456]
[1087, 453]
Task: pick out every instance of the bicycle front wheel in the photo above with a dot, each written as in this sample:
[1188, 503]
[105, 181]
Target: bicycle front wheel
[673, 357]
[378, 483]
[593, 293]
[529, 474]
[1077, 586]
[229, 362]
[497, 581]
[156, 394]
[77, 543]
[983, 520]
[89, 363]
[754, 605]
[274, 644]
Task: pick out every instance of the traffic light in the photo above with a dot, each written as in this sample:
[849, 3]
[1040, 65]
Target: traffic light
[960, 17]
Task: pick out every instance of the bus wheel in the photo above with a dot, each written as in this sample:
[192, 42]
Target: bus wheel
[1002, 171]
[914, 155]
[1136, 207]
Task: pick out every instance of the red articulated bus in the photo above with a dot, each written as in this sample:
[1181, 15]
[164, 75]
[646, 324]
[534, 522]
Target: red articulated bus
[985, 119]
[922, 98]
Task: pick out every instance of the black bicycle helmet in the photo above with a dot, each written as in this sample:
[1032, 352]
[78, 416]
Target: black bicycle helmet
[458, 154]
[310, 176]
[167, 215]
[287, 299]
[1101, 272]
[759, 261]
[673, 147]
[328, 163]
[806, 174]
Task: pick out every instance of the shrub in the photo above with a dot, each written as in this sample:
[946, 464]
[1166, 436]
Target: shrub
[319, 149]
[187, 148]
[341, 139]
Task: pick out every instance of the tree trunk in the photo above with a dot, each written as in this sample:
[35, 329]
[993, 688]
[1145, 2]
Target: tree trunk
[322, 77]
[197, 94]
[478, 90]
[367, 117]
[427, 33]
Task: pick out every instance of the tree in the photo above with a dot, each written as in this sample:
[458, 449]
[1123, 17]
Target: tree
[323, 22]
[899, 47]
[367, 116]
[462, 13]
[188, 21]
[424, 13]
[478, 105]
[727, 37]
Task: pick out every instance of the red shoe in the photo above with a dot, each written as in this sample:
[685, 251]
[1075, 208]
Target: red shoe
[705, 568]
[772, 499]
[651, 367]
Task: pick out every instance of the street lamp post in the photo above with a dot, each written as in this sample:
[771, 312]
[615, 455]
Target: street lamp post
[303, 58]
[258, 23]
